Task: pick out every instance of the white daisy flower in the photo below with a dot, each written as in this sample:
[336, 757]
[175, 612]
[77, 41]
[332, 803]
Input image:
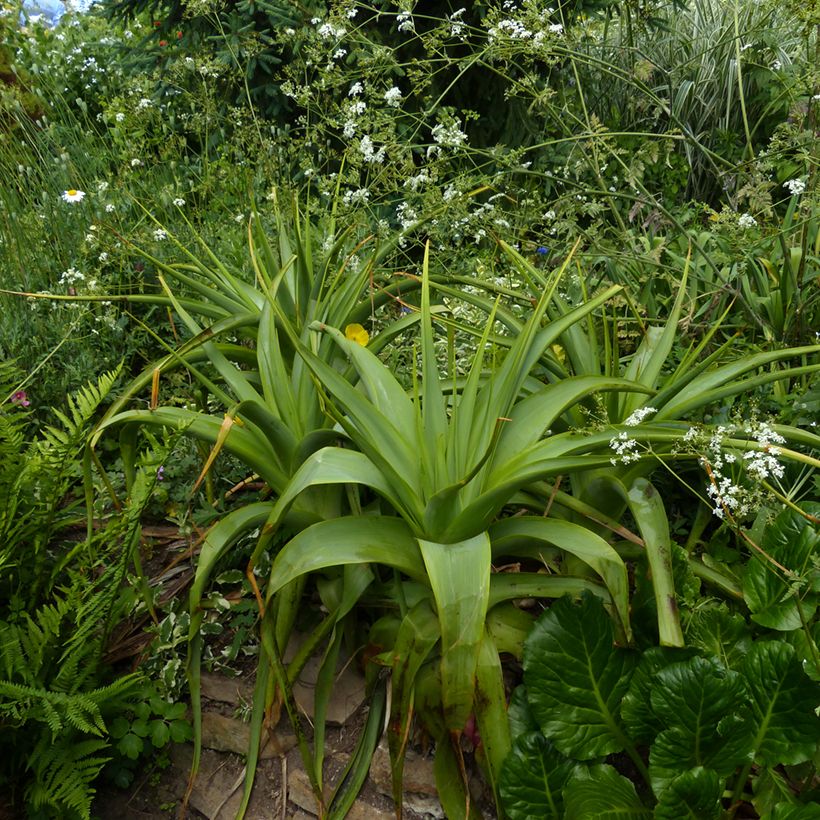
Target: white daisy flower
[73, 195]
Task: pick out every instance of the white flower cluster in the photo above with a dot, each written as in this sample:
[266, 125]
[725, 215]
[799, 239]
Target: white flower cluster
[417, 181]
[725, 493]
[71, 276]
[637, 416]
[355, 108]
[393, 97]
[406, 215]
[626, 449]
[746, 221]
[449, 136]
[160, 235]
[328, 31]
[762, 464]
[795, 186]
[514, 29]
[405, 22]
[456, 23]
[357, 197]
[369, 152]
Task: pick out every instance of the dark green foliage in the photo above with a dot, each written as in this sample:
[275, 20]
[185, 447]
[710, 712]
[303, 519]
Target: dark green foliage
[575, 679]
[774, 596]
[248, 37]
[58, 600]
[702, 723]
[532, 779]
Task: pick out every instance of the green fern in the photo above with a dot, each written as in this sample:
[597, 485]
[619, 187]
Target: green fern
[57, 603]
[62, 774]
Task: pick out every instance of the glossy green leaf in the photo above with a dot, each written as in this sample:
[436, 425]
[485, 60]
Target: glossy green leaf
[600, 793]
[786, 811]
[491, 712]
[577, 541]
[533, 778]
[699, 701]
[725, 381]
[787, 729]
[648, 510]
[693, 795]
[770, 788]
[535, 414]
[347, 540]
[638, 716]
[252, 449]
[794, 543]
[333, 465]
[459, 575]
[717, 631]
[220, 538]
[519, 714]
[576, 679]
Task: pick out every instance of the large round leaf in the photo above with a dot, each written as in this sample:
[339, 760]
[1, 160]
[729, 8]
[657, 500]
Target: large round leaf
[576, 678]
[532, 779]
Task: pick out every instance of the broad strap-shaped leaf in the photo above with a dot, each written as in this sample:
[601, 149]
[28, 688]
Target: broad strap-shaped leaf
[348, 540]
[381, 387]
[533, 778]
[220, 538]
[417, 635]
[389, 444]
[693, 795]
[787, 730]
[648, 510]
[333, 465]
[509, 586]
[459, 575]
[576, 678]
[247, 445]
[580, 542]
[699, 702]
[600, 793]
[725, 380]
[491, 712]
[535, 414]
[274, 372]
[794, 543]
[432, 443]
[639, 718]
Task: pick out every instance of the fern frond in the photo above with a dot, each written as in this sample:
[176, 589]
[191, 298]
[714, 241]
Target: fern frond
[63, 774]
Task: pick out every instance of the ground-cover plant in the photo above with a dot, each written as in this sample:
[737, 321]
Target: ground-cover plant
[444, 462]
[734, 704]
[452, 480]
[274, 415]
[60, 598]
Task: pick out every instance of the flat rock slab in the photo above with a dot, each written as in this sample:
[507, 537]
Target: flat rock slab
[418, 781]
[301, 795]
[347, 693]
[227, 734]
[226, 690]
[217, 792]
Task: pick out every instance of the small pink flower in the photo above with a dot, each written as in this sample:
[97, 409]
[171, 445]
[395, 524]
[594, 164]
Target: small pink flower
[20, 398]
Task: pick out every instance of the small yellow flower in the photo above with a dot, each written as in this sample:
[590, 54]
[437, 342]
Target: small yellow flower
[356, 333]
